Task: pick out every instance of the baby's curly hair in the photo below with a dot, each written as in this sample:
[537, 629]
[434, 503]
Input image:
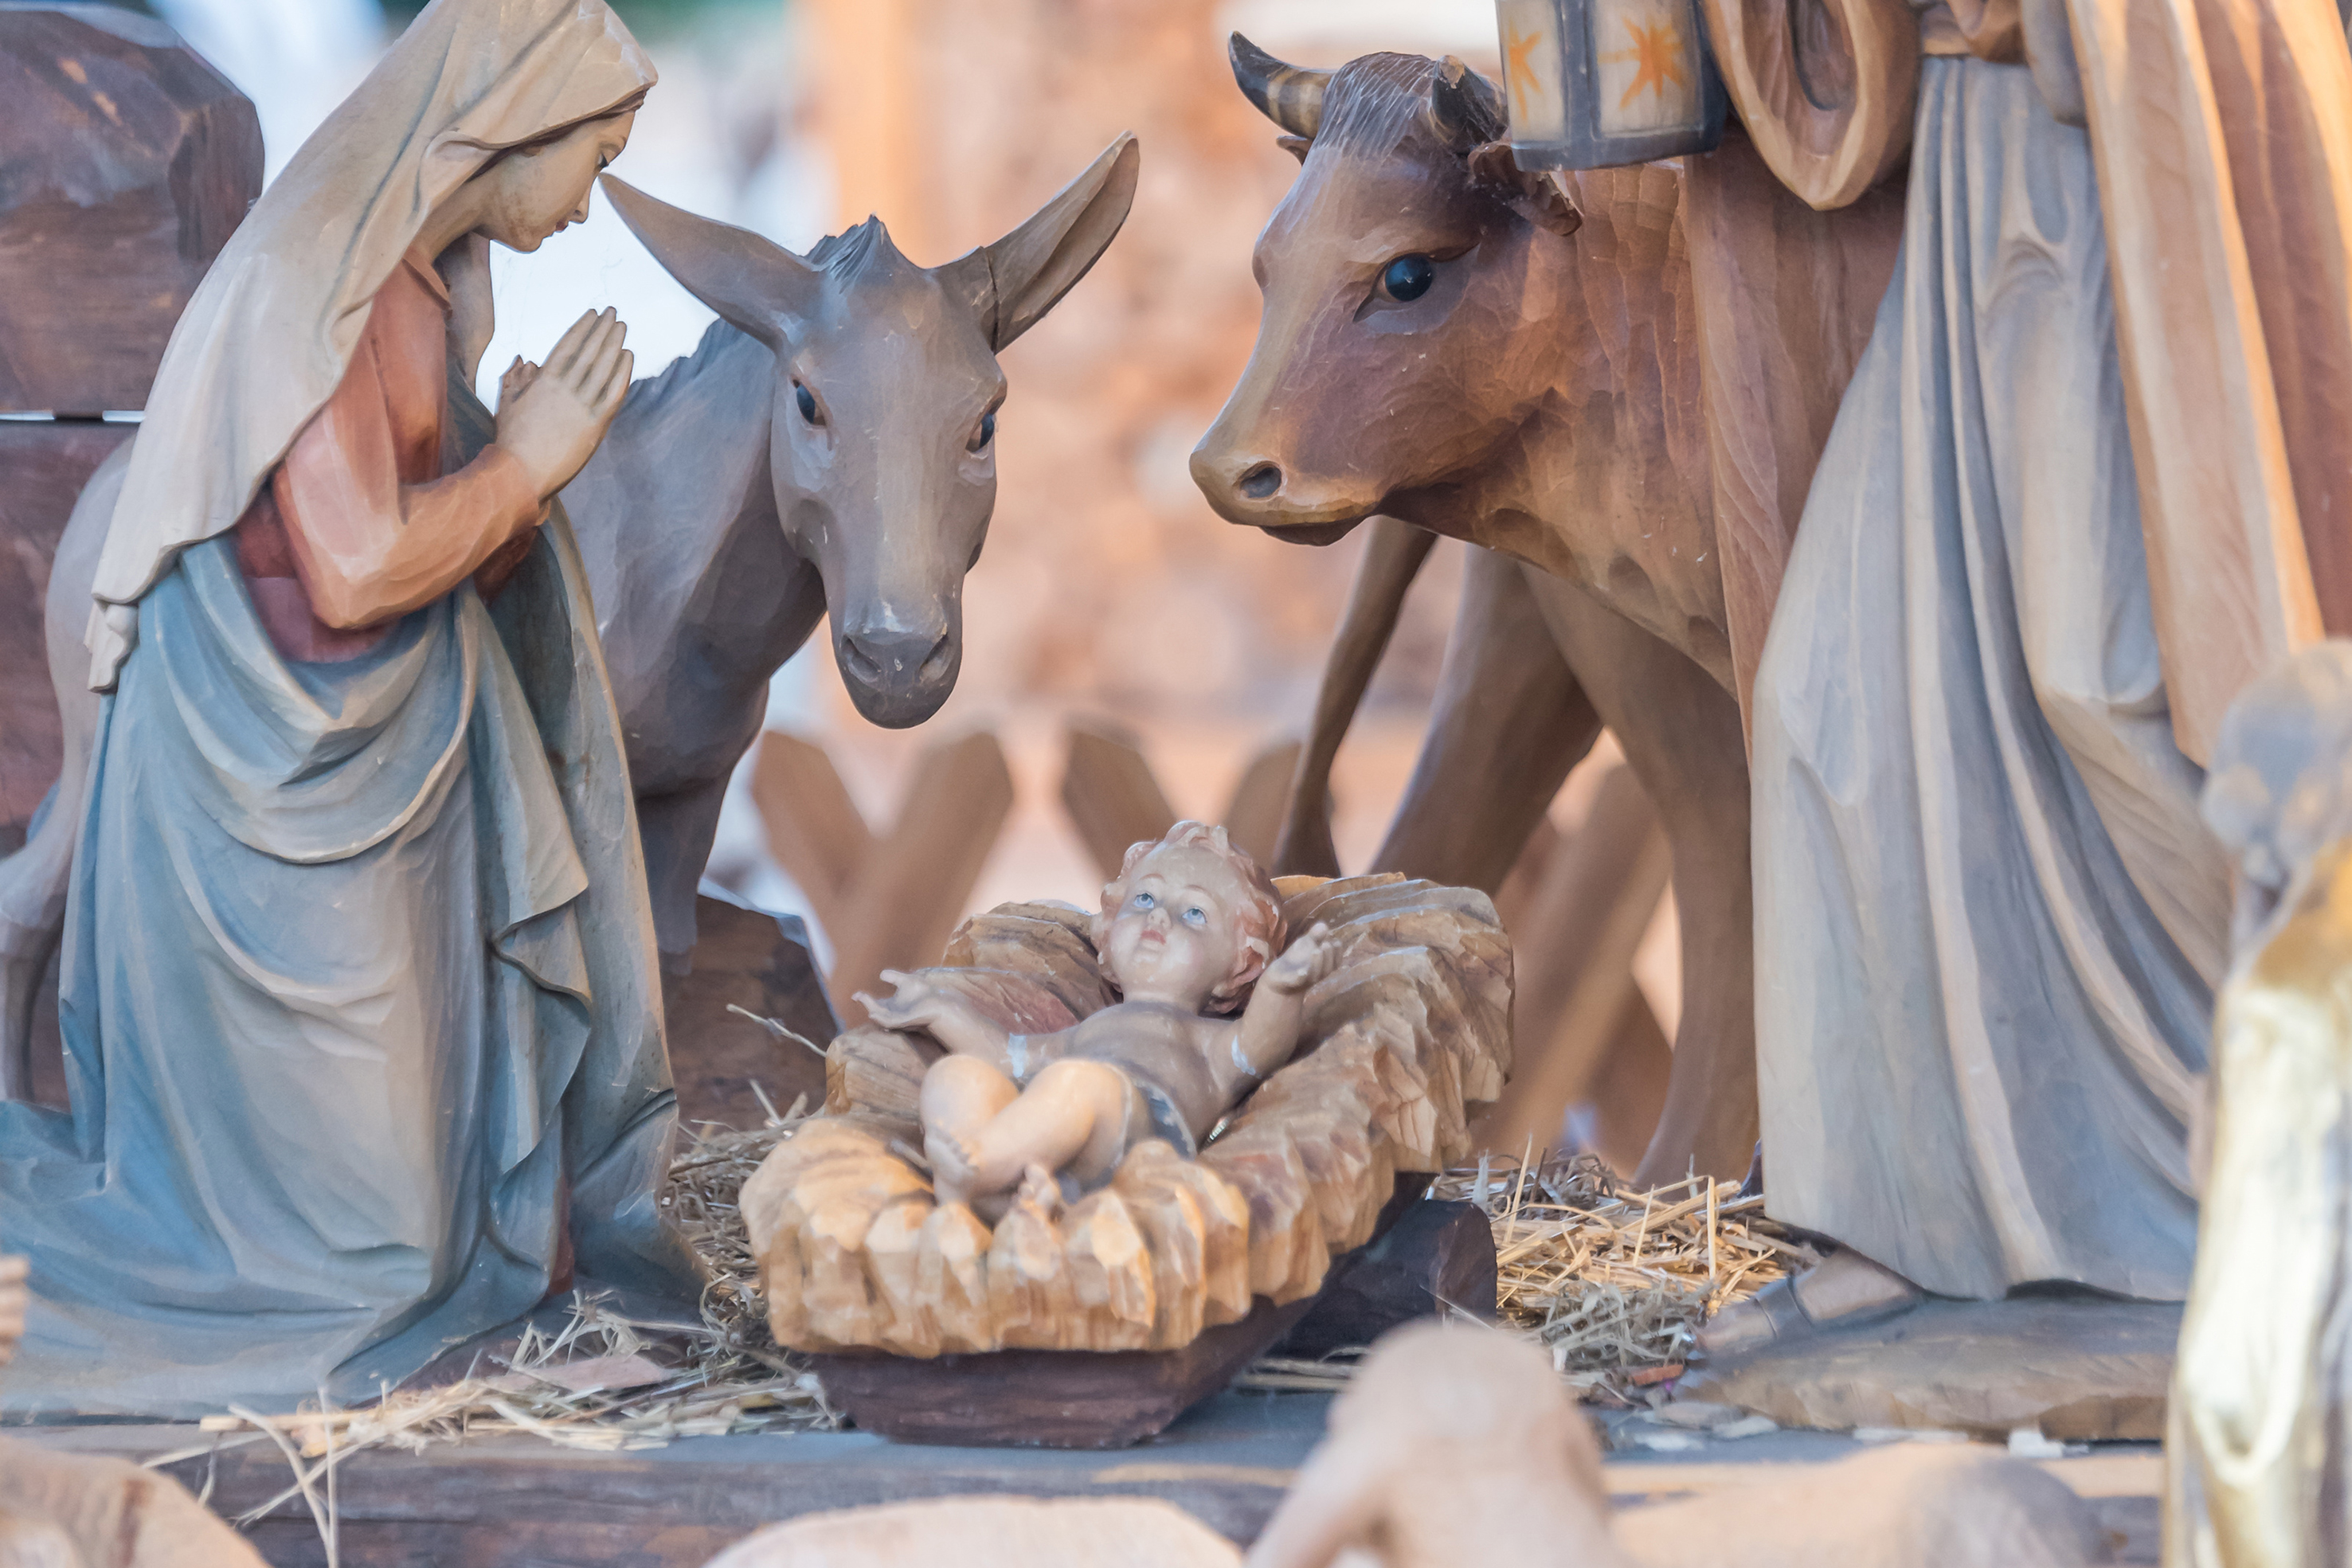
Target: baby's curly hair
[1260, 914]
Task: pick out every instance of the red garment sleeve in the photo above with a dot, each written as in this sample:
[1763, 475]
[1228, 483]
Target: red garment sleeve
[369, 547]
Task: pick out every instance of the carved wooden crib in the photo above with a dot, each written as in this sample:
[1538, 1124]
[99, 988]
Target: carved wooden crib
[932, 1324]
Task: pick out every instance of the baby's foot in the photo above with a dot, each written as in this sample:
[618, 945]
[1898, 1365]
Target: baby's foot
[1039, 1188]
[953, 1175]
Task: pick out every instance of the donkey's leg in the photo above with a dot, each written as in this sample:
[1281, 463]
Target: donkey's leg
[1681, 734]
[33, 881]
[677, 828]
[1510, 721]
[33, 884]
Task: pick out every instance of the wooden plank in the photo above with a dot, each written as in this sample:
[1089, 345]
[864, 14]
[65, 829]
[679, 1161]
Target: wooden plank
[130, 161]
[1574, 954]
[1113, 797]
[755, 961]
[43, 465]
[1253, 815]
[814, 829]
[1629, 1088]
[910, 892]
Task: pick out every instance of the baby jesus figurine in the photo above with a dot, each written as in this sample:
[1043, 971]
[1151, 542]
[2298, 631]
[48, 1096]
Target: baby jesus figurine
[1188, 932]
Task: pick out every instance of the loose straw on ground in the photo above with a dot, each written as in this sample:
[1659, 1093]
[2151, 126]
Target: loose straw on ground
[1614, 1283]
[598, 1380]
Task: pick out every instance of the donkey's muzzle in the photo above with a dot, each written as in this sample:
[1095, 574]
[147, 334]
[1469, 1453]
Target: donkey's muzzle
[898, 678]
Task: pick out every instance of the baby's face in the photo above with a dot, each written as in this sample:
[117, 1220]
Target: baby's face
[1176, 936]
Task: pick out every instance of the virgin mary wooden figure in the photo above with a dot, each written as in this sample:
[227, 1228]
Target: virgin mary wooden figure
[358, 994]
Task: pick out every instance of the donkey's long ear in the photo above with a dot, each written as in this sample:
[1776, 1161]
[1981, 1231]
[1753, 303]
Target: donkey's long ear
[754, 283]
[1016, 281]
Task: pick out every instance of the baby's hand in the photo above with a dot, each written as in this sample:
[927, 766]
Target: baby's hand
[918, 1002]
[1304, 962]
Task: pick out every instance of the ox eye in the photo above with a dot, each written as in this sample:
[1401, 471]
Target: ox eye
[807, 401]
[987, 433]
[1408, 277]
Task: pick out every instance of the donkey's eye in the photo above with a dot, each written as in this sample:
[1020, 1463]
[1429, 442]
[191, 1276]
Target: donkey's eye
[807, 401]
[987, 433]
[1408, 277]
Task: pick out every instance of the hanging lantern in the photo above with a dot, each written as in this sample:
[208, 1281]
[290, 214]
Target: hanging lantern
[1595, 83]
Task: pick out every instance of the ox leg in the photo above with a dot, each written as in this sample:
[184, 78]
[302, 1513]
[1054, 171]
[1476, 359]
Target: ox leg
[1392, 558]
[1510, 721]
[675, 829]
[1682, 736]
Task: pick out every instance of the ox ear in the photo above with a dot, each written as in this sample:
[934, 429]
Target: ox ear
[1013, 283]
[1532, 193]
[754, 283]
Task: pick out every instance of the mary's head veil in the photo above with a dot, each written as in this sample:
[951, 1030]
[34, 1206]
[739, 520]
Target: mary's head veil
[267, 338]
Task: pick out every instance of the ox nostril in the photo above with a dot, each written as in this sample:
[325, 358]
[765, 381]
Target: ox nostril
[1261, 481]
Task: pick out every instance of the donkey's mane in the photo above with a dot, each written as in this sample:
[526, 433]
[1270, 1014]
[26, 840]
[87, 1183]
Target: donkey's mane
[1375, 101]
[853, 250]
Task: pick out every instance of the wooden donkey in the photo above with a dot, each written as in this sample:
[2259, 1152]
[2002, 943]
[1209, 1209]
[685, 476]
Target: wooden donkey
[828, 451]
[1470, 349]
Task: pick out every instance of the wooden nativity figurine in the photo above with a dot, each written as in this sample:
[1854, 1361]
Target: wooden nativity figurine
[1116, 1130]
[2256, 1445]
[358, 995]
[1185, 934]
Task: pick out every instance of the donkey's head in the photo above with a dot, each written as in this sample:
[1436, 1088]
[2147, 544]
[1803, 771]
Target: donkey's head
[1400, 273]
[882, 429]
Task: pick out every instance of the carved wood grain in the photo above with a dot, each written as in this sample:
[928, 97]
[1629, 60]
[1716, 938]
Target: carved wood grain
[2227, 185]
[1827, 100]
[1786, 299]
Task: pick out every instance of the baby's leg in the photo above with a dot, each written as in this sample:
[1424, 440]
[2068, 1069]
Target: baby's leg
[1074, 1114]
[961, 1095]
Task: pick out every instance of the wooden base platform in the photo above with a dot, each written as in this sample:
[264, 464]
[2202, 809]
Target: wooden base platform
[514, 1503]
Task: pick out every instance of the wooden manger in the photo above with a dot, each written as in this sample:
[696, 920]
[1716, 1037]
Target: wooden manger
[938, 1327]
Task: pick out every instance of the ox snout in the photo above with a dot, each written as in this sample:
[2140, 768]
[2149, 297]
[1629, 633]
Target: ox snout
[897, 678]
[1258, 491]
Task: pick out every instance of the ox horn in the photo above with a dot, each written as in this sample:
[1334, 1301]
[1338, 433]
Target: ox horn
[1290, 97]
[1463, 109]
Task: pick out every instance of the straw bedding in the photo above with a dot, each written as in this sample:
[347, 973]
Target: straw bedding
[1613, 1282]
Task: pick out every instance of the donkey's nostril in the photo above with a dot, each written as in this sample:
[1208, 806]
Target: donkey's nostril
[1261, 481]
[942, 654]
[864, 665]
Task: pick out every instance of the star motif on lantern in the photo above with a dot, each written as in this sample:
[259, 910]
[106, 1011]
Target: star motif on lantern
[1518, 70]
[1657, 52]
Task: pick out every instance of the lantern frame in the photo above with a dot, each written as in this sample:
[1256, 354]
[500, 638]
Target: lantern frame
[1564, 44]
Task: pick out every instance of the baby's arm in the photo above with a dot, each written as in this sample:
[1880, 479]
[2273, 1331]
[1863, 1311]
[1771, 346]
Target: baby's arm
[1269, 1027]
[956, 1021]
[949, 1016]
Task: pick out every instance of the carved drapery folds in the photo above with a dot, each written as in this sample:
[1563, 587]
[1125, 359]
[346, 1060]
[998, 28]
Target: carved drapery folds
[1409, 1032]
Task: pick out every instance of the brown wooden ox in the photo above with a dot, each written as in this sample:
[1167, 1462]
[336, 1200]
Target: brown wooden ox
[1467, 348]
